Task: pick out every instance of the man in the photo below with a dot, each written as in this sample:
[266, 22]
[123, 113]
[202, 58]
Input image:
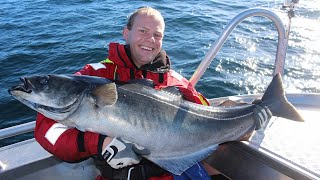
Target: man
[141, 57]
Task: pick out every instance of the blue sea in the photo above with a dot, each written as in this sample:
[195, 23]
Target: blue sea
[54, 36]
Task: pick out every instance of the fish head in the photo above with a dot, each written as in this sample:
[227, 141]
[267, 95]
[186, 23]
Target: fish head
[55, 96]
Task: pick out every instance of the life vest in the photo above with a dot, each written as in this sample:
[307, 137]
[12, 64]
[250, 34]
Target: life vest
[119, 67]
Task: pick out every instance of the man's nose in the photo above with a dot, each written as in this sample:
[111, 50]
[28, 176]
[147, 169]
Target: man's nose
[151, 38]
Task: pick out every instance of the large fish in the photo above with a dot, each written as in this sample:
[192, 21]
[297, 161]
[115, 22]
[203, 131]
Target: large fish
[177, 132]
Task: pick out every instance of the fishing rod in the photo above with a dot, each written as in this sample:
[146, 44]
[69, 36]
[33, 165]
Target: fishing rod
[289, 5]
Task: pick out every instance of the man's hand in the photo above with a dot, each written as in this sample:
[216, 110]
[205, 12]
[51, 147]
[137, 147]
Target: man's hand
[120, 153]
[261, 114]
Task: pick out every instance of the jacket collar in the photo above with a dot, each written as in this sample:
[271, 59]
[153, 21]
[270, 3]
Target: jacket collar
[159, 65]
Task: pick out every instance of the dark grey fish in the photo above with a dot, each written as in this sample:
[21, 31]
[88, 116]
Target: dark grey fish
[177, 132]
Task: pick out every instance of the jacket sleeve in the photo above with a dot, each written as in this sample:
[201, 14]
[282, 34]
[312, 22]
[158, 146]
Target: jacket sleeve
[68, 144]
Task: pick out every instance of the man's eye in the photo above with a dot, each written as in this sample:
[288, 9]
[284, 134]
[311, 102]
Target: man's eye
[158, 35]
[142, 30]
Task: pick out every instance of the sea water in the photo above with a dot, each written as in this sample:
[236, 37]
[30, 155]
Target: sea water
[53, 36]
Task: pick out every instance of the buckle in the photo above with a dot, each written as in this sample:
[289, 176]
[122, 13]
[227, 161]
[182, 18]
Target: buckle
[137, 172]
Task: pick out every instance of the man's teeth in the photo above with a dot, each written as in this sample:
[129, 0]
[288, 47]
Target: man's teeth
[146, 48]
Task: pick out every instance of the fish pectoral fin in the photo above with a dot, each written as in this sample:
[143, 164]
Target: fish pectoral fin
[105, 95]
[179, 164]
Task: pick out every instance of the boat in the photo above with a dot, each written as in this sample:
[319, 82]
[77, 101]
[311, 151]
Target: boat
[281, 150]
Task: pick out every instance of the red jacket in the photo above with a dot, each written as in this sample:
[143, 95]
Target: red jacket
[72, 145]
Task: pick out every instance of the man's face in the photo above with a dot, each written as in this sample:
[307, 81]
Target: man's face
[144, 38]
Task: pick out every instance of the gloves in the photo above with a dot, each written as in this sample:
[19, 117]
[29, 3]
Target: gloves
[261, 115]
[120, 153]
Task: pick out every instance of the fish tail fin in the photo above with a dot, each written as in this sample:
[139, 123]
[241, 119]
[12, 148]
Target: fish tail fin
[274, 98]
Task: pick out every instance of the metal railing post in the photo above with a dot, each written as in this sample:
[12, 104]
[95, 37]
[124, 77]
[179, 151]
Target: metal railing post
[281, 49]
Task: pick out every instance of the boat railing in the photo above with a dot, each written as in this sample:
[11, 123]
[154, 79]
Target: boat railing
[279, 61]
[281, 48]
[17, 130]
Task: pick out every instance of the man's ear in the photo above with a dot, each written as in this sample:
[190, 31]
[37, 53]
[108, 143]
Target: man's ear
[125, 33]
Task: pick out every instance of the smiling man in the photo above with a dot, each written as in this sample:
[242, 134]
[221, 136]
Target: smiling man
[144, 33]
[141, 57]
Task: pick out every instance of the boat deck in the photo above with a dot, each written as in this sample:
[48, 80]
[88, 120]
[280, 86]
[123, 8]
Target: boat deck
[27, 160]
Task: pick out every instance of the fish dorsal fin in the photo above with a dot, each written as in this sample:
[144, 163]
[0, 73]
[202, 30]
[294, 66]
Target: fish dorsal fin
[172, 90]
[230, 103]
[105, 95]
[145, 82]
[179, 164]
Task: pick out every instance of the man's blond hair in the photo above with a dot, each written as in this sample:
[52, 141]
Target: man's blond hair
[149, 11]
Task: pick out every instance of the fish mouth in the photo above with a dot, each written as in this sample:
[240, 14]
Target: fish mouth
[24, 87]
[56, 113]
[62, 113]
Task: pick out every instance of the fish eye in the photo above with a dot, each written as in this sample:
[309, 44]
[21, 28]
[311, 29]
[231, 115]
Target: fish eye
[44, 80]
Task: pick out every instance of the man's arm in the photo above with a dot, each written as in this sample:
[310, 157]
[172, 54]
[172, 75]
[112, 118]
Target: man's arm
[68, 144]
[72, 145]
